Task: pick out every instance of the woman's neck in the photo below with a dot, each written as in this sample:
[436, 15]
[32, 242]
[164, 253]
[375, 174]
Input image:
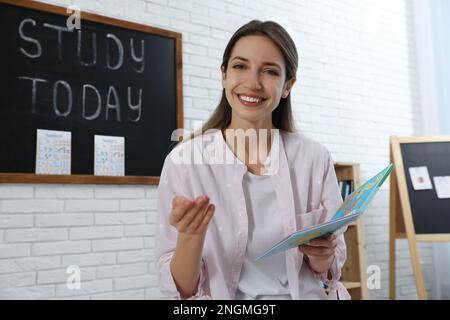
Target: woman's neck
[245, 124]
[251, 143]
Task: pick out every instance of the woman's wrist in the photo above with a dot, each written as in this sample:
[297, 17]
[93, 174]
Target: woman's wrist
[319, 266]
[186, 263]
[190, 239]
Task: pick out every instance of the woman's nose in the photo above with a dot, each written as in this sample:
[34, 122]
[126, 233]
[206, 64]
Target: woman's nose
[253, 81]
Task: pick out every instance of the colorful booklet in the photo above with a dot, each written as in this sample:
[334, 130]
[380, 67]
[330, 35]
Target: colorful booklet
[348, 212]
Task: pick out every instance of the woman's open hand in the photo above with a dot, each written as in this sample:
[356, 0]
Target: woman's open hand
[191, 217]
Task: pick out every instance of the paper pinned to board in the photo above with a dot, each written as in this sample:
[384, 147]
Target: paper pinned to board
[53, 152]
[420, 178]
[442, 185]
[109, 156]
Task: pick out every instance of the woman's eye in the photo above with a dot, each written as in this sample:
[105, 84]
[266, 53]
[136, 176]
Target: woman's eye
[272, 72]
[238, 66]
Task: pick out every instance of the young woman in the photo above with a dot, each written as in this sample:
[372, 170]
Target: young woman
[215, 215]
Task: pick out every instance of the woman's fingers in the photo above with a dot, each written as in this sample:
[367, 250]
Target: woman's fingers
[191, 216]
[329, 242]
[321, 252]
[196, 221]
[198, 207]
[179, 209]
[178, 200]
[207, 218]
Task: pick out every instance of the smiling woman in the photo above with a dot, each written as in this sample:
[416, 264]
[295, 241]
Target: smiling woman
[258, 69]
[216, 218]
[265, 54]
[255, 77]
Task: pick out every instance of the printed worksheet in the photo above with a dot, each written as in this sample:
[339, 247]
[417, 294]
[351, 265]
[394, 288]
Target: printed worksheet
[442, 185]
[420, 178]
[109, 156]
[53, 152]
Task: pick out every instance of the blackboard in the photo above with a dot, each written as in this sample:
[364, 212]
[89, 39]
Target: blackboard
[110, 77]
[417, 215]
[431, 215]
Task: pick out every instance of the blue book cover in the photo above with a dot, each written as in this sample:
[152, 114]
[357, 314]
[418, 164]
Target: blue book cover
[348, 212]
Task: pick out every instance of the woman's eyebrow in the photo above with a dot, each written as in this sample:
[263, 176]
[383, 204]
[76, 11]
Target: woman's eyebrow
[268, 63]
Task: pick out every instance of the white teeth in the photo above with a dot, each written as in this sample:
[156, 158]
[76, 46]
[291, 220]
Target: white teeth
[249, 99]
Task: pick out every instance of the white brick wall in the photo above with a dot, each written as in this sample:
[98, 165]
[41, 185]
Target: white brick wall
[357, 85]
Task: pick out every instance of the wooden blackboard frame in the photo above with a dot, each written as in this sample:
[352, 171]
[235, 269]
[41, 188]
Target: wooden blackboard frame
[401, 224]
[92, 179]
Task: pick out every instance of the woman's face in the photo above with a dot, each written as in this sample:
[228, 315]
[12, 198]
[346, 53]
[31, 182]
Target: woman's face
[255, 81]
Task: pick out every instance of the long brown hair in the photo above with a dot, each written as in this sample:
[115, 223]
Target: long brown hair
[282, 116]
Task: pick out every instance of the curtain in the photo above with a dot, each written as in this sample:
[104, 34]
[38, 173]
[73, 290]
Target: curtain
[432, 22]
[440, 13]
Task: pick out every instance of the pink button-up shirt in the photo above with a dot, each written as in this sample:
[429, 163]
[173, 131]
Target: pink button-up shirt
[307, 193]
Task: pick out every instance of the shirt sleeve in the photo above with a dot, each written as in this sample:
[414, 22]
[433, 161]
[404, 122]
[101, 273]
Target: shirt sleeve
[331, 201]
[173, 181]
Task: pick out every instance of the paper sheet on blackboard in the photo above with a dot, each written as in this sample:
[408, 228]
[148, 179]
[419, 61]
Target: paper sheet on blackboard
[420, 178]
[53, 152]
[109, 156]
[442, 185]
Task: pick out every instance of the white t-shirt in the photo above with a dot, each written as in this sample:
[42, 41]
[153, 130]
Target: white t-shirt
[266, 278]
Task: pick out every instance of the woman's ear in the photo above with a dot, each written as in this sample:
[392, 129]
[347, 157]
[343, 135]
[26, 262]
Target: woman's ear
[224, 76]
[287, 87]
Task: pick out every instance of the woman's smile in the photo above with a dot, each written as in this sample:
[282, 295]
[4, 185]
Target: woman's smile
[251, 100]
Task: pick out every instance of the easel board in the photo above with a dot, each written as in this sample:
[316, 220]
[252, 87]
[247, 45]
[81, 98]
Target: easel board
[417, 215]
